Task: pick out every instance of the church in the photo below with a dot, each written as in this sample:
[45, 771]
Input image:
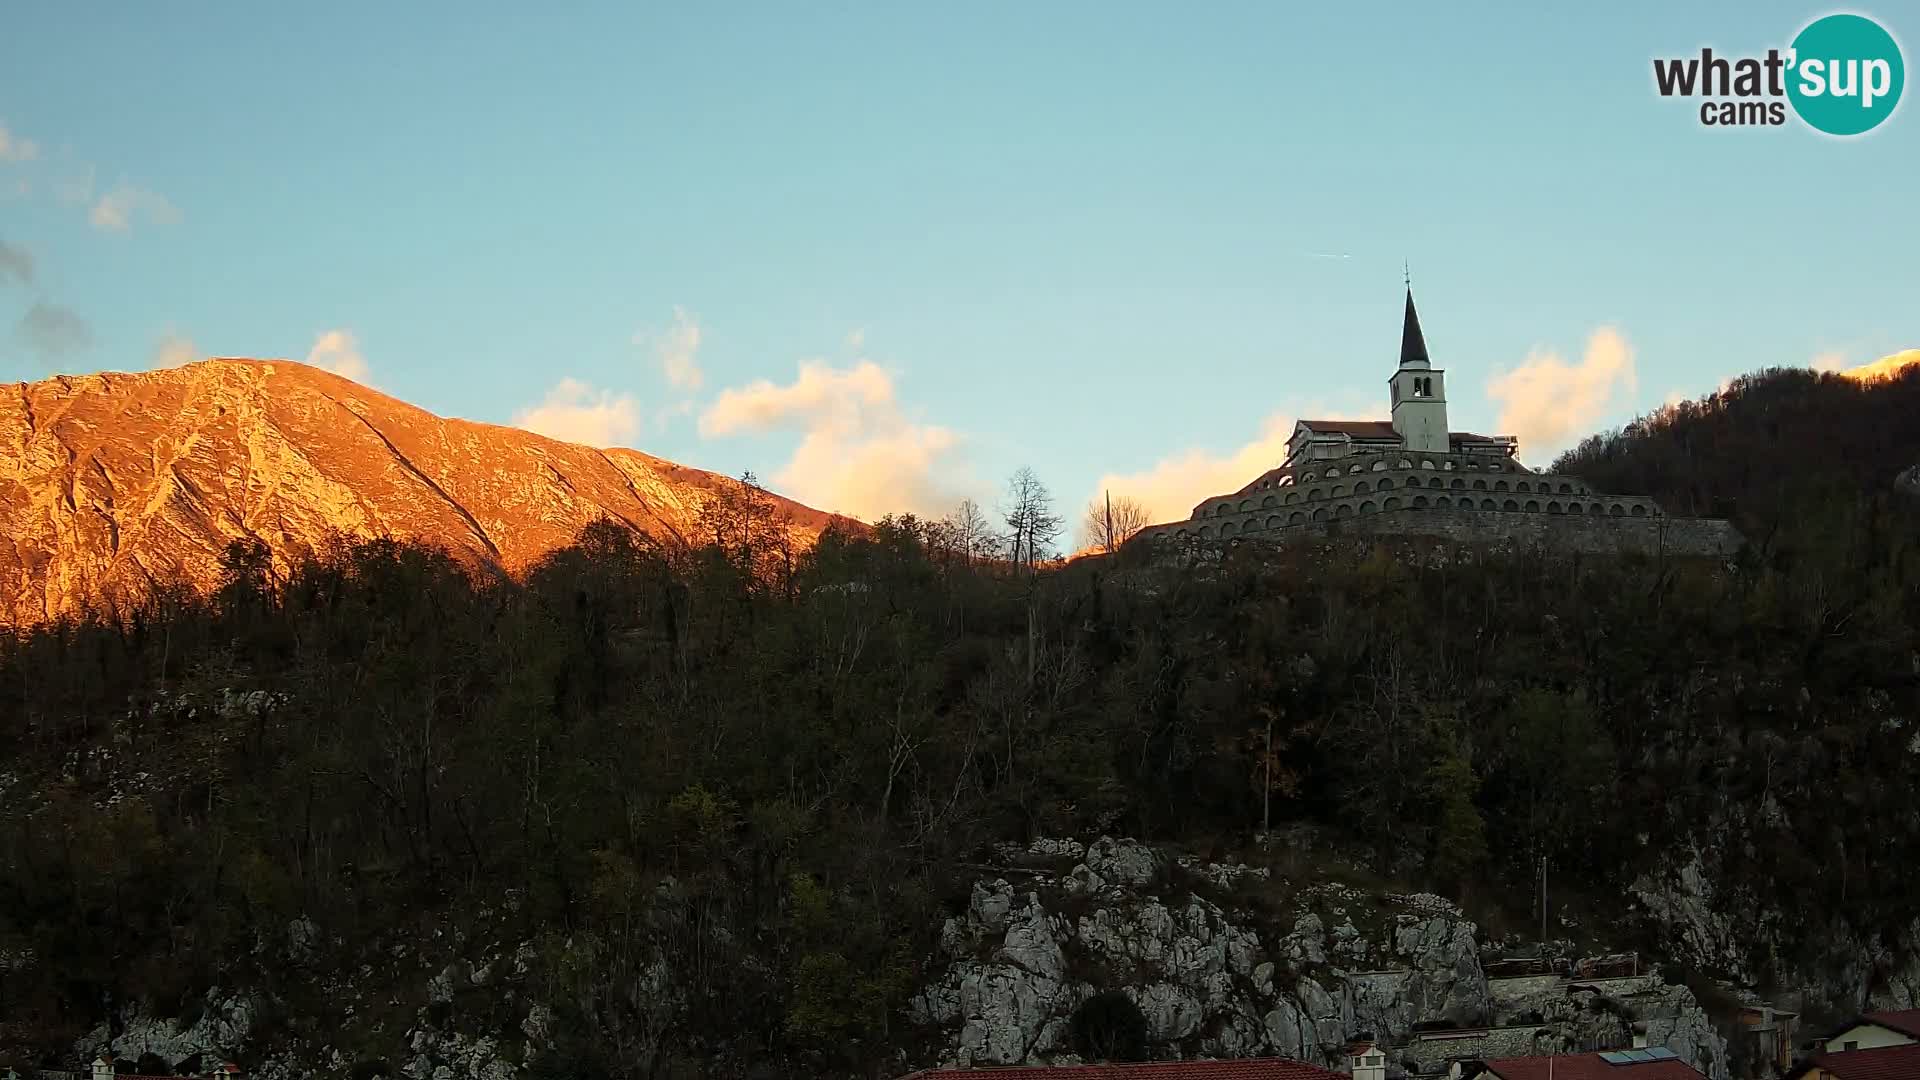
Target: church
[1413, 475]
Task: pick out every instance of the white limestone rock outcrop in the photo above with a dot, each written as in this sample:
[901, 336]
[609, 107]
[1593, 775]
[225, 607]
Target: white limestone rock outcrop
[1733, 932]
[1212, 980]
[222, 1028]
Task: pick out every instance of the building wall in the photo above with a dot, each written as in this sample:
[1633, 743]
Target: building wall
[1613, 531]
[1513, 992]
[1869, 1036]
[1625, 985]
[1464, 497]
[1391, 475]
[1434, 1052]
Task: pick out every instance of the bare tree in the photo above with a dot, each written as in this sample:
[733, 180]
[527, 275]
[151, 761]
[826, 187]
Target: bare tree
[1032, 523]
[1111, 522]
[966, 531]
[1032, 527]
[744, 521]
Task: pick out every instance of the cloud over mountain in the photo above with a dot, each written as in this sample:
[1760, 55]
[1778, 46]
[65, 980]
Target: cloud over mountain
[860, 452]
[1550, 402]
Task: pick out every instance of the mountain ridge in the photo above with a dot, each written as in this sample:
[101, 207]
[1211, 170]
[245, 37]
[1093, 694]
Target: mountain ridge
[116, 480]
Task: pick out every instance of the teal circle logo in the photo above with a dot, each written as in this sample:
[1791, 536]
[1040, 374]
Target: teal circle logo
[1846, 74]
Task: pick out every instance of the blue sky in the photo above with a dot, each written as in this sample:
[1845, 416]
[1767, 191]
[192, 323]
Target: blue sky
[1087, 237]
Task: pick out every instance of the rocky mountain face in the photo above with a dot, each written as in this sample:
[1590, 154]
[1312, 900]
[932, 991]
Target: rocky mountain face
[1741, 931]
[1213, 978]
[110, 482]
[1215, 967]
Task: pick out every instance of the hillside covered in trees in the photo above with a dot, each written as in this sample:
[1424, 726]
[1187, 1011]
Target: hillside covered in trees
[758, 777]
[1769, 448]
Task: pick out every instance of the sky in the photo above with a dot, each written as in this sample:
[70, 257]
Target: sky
[883, 254]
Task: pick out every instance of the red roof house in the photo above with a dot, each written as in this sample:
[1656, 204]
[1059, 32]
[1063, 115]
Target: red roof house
[1882, 1063]
[1237, 1069]
[1613, 1065]
[1874, 1030]
[1904, 1021]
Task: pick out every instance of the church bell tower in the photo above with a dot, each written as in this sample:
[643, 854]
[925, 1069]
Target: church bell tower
[1419, 391]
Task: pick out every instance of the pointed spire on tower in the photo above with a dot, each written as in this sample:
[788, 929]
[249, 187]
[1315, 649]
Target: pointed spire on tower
[1413, 345]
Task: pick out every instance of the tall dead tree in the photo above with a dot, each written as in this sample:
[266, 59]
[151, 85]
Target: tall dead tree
[967, 531]
[1110, 522]
[1032, 528]
[1032, 523]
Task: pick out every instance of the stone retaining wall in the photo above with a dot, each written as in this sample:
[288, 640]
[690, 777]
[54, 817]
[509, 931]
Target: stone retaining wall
[1596, 535]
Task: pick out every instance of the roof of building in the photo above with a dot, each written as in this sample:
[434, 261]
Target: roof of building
[1904, 1021]
[1413, 344]
[1383, 429]
[1359, 429]
[1883, 1063]
[1589, 1067]
[1236, 1069]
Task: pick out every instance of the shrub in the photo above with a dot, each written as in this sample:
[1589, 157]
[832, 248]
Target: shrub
[1110, 1027]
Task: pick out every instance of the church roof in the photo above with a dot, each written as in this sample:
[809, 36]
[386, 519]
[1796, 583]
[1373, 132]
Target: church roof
[1413, 344]
[1359, 429]
[1383, 429]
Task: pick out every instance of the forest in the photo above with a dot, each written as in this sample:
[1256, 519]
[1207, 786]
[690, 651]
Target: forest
[759, 774]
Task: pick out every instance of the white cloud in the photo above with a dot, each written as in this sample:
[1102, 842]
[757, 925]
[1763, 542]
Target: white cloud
[338, 351]
[174, 350]
[1171, 487]
[117, 210]
[822, 396]
[859, 453]
[15, 148]
[678, 350]
[1551, 403]
[1829, 361]
[574, 412]
[857, 340]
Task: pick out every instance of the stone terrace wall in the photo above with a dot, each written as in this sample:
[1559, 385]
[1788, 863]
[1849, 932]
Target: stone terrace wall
[1595, 535]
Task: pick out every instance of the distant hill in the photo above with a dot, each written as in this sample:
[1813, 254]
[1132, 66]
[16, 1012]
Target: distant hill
[1768, 446]
[113, 481]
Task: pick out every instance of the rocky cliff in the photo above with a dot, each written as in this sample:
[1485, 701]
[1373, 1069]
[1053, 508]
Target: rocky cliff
[1833, 963]
[109, 482]
[1216, 967]
[1214, 979]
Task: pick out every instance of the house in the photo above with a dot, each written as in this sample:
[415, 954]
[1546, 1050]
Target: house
[106, 1067]
[1653, 1063]
[1872, 1046]
[1880, 1063]
[1236, 1069]
[1365, 1059]
[1874, 1030]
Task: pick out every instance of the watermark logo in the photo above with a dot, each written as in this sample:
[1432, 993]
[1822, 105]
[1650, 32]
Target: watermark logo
[1841, 75]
